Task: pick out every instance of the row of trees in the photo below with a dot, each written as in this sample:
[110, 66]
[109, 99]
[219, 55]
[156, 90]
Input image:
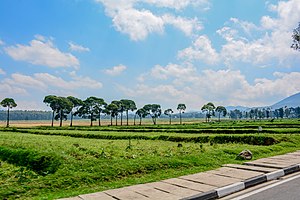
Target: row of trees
[25, 115]
[93, 107]
[266, 113]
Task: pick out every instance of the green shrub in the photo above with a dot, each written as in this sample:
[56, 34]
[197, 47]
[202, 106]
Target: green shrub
[42, 163]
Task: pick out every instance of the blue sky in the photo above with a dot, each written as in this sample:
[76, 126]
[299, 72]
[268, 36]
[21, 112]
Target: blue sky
[152, 51]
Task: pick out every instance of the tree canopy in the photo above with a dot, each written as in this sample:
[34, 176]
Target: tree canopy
[154, 110]
[209, 108]
[76, 104]
[91, 107]
[128, 105]
[221, 110]
[296, 38]
[181, 108]
[9, 103]
[169, 113]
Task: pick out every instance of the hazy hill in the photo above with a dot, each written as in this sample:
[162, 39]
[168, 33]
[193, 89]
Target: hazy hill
[291, 101]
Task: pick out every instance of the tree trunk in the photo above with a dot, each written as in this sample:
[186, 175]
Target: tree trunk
[154, 120]
[219, 117]
[111, 119]
[52, 118]
[7, 122]
[116, 120]
[170, 119]
[99, 118]
[121, 118]
[127, 117]
[140, 121]
[61, 118]
[71, 124]
[180, 117]
[91, 119]
[134, 119]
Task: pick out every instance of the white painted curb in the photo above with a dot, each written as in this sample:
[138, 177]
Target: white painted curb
[275, 175]
[230, 189]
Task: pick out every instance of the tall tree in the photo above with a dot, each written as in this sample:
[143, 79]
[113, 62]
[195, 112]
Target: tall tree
[112, 110]
[221, 110]
[52, 101]
[154, 110]
[209, 108]
[142, 113]
[64, 107]
[181, 108]
[100, 105]
[76, 104]
[9, 103]
[169, 113]
[296, 38]
[120, 109]
[128, 105]
[90, 108]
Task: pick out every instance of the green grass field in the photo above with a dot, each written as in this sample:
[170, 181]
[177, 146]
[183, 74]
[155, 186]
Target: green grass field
[50, 162]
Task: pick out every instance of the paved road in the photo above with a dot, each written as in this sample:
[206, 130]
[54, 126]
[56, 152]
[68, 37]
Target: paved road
[287, 189]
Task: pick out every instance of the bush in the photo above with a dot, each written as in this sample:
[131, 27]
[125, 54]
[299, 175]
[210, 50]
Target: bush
[42, 163]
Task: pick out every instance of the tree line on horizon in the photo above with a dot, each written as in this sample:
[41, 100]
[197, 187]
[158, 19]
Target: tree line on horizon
[95, 108]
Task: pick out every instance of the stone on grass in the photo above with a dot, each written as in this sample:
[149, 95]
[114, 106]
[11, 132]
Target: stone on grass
[245, 155]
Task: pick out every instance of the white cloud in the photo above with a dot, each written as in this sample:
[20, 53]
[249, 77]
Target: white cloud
[2, 72]
[187, 26]
[201, 49]
[76, 47]
[139, 23]
[1, 42]
[265, 43]
[45, 81]
[245, 42]
[171, 70]
[42, 51]
[182, 83]
[116, 70]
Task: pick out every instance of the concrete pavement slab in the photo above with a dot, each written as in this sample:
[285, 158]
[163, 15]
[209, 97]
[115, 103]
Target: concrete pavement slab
[175, 190]
[251, 168]
[151, 192]
[210, 179]
[96, 196]
[235, 173]
[125, 194]
[189, 184]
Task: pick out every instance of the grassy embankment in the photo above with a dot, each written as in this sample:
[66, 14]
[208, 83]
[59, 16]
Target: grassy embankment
[48, 163]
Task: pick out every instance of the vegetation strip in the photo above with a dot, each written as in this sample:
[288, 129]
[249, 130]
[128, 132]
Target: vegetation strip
[43, 164]
[220, 139]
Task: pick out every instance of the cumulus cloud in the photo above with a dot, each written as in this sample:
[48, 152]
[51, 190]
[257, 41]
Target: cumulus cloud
[45, 81]
[116, 70]
[270, 39]
[78, 48]
[201, 49]
[245, 42]
[42, 51]
[2, 72]
[1, 42]
[183, 83]
[139, 23]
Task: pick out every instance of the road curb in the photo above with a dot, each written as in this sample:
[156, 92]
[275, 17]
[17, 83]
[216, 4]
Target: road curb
[236, 187]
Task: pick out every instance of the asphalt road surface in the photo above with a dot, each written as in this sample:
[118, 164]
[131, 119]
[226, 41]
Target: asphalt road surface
[288, 189]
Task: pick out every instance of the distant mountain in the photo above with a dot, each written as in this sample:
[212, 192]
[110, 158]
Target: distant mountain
[291, 101]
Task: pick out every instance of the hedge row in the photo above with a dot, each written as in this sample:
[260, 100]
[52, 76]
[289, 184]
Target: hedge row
[42, 163]
[221, 139]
